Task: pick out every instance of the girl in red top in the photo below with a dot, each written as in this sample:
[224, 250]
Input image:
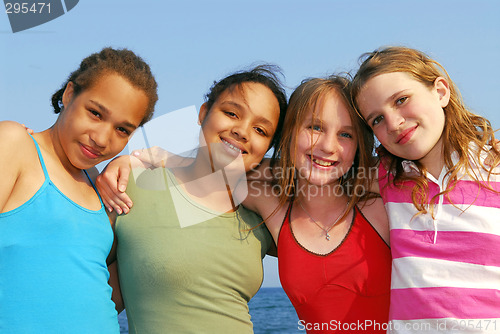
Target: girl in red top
[333, 256]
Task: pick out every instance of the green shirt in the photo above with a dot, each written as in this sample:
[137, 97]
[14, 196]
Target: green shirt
[182, 276]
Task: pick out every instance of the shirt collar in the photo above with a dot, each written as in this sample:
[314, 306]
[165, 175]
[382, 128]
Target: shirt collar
[411, 168]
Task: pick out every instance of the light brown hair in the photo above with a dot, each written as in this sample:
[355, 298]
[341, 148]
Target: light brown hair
[462, 127]
[302, 103]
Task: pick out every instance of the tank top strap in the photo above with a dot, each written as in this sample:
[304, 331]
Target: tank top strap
[93, 186]
[288, 212]
[40, 157]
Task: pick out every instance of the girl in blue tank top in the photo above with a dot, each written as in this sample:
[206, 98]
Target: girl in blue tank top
[55, 236]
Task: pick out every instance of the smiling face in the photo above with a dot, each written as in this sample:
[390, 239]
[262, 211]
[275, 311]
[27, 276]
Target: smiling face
[406, 116]
[97, 123]
[325, 145]
[241, 122]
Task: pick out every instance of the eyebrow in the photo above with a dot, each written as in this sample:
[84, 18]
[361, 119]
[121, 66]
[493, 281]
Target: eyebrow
[259, 119]
[105, 110]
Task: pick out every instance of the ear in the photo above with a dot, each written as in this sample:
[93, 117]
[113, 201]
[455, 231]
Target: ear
[442, 87]
[203, 113]
[68, 93]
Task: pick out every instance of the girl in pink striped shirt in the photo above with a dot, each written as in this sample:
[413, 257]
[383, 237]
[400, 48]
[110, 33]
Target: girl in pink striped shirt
[442, 200]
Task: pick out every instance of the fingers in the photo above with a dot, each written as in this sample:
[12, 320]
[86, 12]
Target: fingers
[123, 175]
[30, 131]
[112, 198]
[150, 157]
[112, 183]
[490, 159]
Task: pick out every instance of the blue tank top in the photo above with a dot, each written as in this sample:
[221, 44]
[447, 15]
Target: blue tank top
[53, 272]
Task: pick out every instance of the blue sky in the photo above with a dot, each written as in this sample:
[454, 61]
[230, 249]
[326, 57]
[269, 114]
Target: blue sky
[189, 44]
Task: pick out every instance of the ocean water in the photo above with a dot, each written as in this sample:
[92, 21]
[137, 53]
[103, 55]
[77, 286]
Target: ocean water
[271, 311]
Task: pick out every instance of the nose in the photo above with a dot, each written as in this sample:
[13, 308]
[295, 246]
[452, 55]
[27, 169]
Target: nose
[329, 144]
[394, 121]
[101, 135]
[241, 130]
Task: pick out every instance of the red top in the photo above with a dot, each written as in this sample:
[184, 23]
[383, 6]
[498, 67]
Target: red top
[344, 291]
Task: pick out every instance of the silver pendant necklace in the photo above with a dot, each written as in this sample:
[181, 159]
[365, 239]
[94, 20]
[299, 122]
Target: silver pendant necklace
[327, 234]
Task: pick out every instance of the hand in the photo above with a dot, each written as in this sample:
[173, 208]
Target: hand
[112, 183]
[492, 154]
[30, 131]
[152, 157]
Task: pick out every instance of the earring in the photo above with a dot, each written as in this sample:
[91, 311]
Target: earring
[61, 106]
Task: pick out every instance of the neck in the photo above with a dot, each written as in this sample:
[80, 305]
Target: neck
[211, 188]
[321, 198]
[51, 143]
[434, 160]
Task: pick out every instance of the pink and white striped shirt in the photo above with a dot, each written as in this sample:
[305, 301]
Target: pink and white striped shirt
[446, 270]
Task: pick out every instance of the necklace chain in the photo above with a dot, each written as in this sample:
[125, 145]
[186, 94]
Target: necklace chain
[327, 234]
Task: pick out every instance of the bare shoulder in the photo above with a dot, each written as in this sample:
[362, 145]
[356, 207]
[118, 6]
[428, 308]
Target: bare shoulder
[12, 131]
[374, 211]
[16, 150]
[14, 140]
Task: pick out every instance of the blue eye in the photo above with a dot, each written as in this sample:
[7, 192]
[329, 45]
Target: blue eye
[315, 128]
[346, 135]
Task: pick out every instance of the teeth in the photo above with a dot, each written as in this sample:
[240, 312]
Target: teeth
[323, 163]
[232, 146]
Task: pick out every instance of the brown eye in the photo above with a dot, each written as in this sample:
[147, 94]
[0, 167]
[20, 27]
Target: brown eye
[260, 131]
[401, 100]
[123, 130]
[377, 120]
[230, 114]
[95, 113]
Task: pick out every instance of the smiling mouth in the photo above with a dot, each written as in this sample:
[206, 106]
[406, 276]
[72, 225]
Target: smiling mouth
[321, 162]
[232, 147]
[406, 135]
[89, 152]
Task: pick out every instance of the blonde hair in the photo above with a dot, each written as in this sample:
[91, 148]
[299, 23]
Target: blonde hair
[302, 103]
[462, 127]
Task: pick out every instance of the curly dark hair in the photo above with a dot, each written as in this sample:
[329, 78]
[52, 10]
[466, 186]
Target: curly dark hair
[120, 61]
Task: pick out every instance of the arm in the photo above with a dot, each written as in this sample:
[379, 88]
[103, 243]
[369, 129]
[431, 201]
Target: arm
[155, 157]
[374, 211]
[113, 180]
[264, 202]
[114, 281]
